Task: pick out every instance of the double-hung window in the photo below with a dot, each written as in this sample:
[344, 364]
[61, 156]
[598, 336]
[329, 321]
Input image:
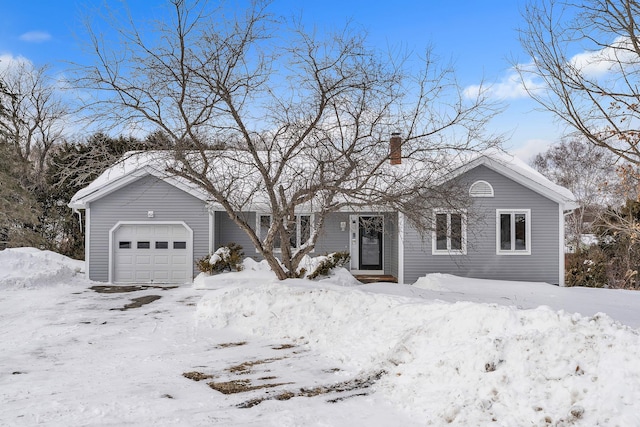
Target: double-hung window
[299, 229]
[264, 223]
[513, 228]
[449, 232]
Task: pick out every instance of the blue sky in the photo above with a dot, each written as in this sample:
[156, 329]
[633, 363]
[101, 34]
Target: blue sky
[479, 37]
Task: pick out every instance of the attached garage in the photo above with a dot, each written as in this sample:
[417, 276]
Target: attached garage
[151, 253]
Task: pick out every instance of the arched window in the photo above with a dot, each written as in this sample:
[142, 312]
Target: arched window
[481, 189]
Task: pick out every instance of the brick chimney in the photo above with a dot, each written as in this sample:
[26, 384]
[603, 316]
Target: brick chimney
[395, 145]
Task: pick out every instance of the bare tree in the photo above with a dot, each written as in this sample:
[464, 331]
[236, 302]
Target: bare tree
[19, 209]
[305, 118]
[4, 94]
[34, 115]
[589, 172]
[31, 122]
[619, 232]
[586, 57]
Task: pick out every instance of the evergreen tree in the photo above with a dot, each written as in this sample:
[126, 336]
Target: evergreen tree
[71, 167]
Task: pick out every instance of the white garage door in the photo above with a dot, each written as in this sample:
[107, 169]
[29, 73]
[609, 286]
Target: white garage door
[152, 253]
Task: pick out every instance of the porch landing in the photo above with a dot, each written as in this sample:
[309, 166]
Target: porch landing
[374, 278]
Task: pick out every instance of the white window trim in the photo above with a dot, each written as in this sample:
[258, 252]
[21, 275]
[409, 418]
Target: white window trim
[481, 195]
[527, 213]
[449, 251]
[298, 229]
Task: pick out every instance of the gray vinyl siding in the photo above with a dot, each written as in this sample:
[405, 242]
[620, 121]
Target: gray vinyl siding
[131, 203]
[226, 231]
[481, 260]
[391, 244]
[331, 238]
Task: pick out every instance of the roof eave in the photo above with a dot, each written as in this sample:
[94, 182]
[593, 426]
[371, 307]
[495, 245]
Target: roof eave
[120, 182]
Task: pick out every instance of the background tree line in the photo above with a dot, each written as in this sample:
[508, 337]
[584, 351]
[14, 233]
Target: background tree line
[40, 167]
[34, 195]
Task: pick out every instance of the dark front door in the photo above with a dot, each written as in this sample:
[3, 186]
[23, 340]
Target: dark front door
[370, 248]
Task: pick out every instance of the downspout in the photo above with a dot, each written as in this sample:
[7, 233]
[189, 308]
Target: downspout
[563, 215]
[77, 211]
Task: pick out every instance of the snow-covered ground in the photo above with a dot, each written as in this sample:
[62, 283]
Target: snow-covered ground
[445, 351]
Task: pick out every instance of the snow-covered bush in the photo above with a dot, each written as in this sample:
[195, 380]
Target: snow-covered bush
[330, 261]
[586, 268]
[226, 258]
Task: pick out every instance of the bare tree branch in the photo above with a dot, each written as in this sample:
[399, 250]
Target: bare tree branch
[33, 116]
[586, 60]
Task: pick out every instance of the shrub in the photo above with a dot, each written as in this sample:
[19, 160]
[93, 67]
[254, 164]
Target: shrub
[226, 258]
[586, 268]
[333, 260]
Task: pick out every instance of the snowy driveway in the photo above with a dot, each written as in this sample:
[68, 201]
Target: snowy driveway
[70, 356]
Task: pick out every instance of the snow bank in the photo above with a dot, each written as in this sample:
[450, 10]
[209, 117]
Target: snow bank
[252, 273]
[32, 268]
[258, 273]
[450, 283]
[434, 282]
[620, 304]
[463, 363]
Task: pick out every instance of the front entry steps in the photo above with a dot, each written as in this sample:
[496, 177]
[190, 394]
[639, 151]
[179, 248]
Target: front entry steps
[375, 278]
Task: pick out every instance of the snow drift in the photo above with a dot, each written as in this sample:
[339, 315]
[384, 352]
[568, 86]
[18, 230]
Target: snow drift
[32, 268]
[462, 363]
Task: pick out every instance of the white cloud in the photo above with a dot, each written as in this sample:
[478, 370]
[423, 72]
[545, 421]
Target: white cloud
[527, 151]
[35, 37]
[594, 64]
[600, 62]
[9, 61]
[510, 86]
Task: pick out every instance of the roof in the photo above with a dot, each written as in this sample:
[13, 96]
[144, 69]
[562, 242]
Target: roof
[135, 165]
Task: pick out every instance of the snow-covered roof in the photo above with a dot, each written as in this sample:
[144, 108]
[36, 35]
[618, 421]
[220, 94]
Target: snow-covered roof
[135, 165]
[132, 166]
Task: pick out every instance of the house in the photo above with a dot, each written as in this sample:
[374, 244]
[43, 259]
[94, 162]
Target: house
[142, 226]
